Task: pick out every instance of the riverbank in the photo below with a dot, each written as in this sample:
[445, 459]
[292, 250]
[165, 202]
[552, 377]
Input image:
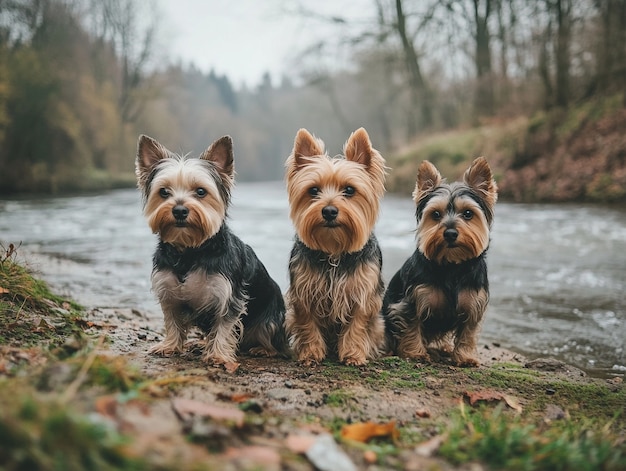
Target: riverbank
[574, 155]
[81, 391]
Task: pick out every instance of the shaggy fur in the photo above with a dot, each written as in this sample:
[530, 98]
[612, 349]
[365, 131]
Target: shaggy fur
[335, 293]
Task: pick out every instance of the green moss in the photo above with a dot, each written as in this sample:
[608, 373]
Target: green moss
[338, 398]
[509, 442]
[580, 400]
[37, 434]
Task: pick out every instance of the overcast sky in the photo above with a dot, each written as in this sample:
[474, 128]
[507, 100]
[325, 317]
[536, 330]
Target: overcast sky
[243, 39]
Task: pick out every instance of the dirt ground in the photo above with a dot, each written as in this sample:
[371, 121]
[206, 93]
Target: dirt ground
[274, 413]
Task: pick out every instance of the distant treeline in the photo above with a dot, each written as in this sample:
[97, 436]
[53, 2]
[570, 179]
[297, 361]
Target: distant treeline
[79, 80]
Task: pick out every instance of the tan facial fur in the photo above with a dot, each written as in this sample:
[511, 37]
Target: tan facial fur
[309, 167]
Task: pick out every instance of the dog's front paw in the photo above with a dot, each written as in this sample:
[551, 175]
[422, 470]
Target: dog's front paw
[310, 361]
[465, 361]
[420, 355]
[310, 356]
[165, 349]
[352, 361]
[263, 352]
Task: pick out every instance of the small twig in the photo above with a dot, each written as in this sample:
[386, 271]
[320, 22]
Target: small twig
[19, 311]
[72, 389]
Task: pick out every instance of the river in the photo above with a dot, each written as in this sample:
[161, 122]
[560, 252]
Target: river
[557, 272]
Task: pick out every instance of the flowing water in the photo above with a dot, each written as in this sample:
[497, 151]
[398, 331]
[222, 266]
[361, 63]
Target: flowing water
[557, 272]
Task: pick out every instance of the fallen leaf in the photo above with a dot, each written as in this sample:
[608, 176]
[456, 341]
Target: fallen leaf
[364, 431]
[231, 366]
[106, 406]
[40, 325]
[513, 403]
[422, 413]
[370, 456]
[235, 397]
[185, 408]
[488, 395]
[4, 290]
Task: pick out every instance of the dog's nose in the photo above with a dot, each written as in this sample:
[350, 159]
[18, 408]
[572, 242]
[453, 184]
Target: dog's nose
[329, 213]
[180, 212]
[450, 235]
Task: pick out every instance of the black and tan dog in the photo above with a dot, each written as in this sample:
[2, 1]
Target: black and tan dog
[441, 292]
[203, 275]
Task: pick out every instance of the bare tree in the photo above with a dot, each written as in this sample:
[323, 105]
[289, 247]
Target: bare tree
[562, 10]
[125, 25]
[484, 98]
[421, 96]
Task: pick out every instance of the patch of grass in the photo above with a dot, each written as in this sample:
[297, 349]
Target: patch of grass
[505, 442]
[338, 398]
[44, 435]
[453, 151]
[30, 314]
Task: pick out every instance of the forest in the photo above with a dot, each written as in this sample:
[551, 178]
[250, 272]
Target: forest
[80, 79]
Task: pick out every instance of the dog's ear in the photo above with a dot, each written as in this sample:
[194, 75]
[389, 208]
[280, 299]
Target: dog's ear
[479, 177]
[358, 148]
[428, 178]
[221, 154]
[306, 147]
[149, 153]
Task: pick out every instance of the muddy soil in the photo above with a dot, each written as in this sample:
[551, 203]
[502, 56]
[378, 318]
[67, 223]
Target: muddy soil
[287, 408]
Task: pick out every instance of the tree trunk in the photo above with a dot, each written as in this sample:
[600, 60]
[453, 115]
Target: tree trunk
[484, 98]
[563, 11]
[420, 94]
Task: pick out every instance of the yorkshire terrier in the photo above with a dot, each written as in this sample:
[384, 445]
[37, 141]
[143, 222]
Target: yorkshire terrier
[441, 292]
[203, 275]
[336, 289]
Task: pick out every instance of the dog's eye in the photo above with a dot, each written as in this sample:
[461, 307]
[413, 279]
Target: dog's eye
[314, 191]
[201, 192]
[436, 215]
[468, 214]
[349, 191]
[164, 193]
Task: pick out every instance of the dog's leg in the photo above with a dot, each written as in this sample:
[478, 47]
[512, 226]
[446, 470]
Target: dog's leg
[305, 335]
[362, 338]
[473, 304]
[175, 332]
[412, 343]
[223, 339]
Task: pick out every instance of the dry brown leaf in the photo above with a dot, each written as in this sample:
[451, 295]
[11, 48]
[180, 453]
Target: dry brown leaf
[489, 395]
[106, 406]
[364, 431]
[370, 456]
[40, 325]
[231, 366]
[235, 397]
[486, 395]
[513, 403]
[4, 290]
[188, 407]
